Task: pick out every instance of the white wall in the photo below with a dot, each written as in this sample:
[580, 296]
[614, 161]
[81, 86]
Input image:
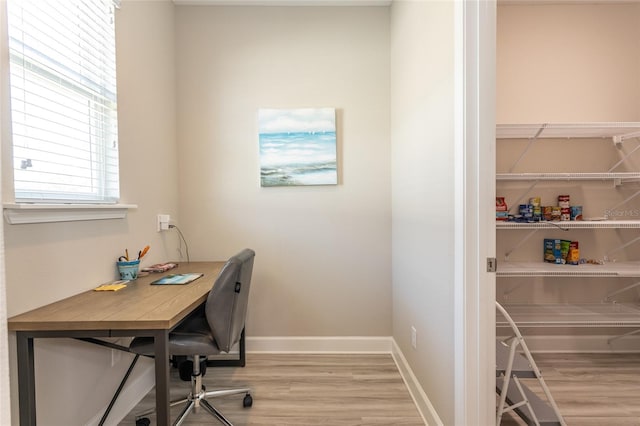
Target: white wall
[422, 135]
[322, 253]
[47, 262]
[563, 63]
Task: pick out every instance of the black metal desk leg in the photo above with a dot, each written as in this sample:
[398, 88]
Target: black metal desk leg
[26, 379]
[161, 349]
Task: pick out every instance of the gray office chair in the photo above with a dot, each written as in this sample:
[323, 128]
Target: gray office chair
[216, 329]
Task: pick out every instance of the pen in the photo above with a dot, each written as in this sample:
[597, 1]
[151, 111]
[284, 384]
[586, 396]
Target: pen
[126, 254]
[143, 252]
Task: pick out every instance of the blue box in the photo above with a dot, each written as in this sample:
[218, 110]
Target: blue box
[553, 251]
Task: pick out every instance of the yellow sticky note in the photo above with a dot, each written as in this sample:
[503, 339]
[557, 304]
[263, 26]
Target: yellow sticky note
[115, 286]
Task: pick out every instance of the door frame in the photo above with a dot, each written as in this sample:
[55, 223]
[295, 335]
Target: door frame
[475, 97]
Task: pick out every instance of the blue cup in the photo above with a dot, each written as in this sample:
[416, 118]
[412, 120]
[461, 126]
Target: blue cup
[128, 269]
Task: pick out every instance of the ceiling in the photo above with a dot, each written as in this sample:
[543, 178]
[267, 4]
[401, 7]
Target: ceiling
[369, 2]
[282, 2]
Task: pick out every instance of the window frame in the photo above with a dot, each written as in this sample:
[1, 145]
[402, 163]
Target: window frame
[25, 211]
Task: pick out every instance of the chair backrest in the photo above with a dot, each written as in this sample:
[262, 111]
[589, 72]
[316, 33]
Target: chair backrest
[226, 306]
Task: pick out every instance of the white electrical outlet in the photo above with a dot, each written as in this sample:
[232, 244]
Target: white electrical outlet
[163, 222]
[414, 337]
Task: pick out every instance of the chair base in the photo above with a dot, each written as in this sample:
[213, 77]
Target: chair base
[197, 399]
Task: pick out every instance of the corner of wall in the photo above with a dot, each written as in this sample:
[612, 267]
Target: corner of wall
[420, 398]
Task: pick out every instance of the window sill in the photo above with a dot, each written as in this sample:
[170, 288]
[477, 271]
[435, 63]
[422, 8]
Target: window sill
[16, 214]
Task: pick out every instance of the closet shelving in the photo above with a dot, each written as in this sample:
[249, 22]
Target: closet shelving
[616, 131]
[595, 315]
[541, 269]
[605, 313]
[623, 176]
[573, 224]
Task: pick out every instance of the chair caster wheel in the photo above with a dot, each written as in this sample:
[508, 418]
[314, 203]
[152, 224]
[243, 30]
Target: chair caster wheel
[247, 401]
[143, 422]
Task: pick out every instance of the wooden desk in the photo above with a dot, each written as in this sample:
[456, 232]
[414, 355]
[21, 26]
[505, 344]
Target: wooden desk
[140, 309]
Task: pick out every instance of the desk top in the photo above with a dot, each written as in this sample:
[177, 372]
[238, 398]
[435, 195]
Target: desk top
[138, 306]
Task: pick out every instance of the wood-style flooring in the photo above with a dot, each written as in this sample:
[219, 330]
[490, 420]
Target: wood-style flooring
[591, 389]
[353, 390]
[302, 389]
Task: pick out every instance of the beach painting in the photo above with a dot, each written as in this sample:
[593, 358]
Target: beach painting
[297, 146]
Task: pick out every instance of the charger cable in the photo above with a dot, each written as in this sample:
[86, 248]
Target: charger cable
[185, 242]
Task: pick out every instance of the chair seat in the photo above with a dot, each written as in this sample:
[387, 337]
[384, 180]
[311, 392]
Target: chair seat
[192, 337]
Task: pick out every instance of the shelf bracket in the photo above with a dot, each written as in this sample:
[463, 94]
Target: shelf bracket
[618, 139]
[623, 159]
[522, 241]
[532, 140]
[630, 333]
[622, 290]
[627, 244]
[526, 191]
[511, 289]
[621, 203]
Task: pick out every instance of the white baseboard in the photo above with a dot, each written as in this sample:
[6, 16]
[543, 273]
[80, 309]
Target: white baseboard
[420, 398]
[303, 344]
[582, 344]
[140, 384]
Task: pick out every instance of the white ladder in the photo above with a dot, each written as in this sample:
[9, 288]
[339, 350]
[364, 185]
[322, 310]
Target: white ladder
[511, 366]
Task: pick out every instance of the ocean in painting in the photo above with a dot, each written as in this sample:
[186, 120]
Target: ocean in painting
[298, 158]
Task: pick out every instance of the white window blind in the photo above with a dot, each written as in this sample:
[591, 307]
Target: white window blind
[63, 100]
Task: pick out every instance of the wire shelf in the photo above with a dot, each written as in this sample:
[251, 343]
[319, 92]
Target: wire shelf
[541, 269]
[623, 130]
[573, 224]
[566, 176]
[572, 315]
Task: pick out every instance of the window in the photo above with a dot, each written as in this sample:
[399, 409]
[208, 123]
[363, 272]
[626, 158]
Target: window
[63, 101]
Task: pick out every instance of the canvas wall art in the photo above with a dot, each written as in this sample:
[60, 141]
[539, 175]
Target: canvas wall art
[297, 146]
